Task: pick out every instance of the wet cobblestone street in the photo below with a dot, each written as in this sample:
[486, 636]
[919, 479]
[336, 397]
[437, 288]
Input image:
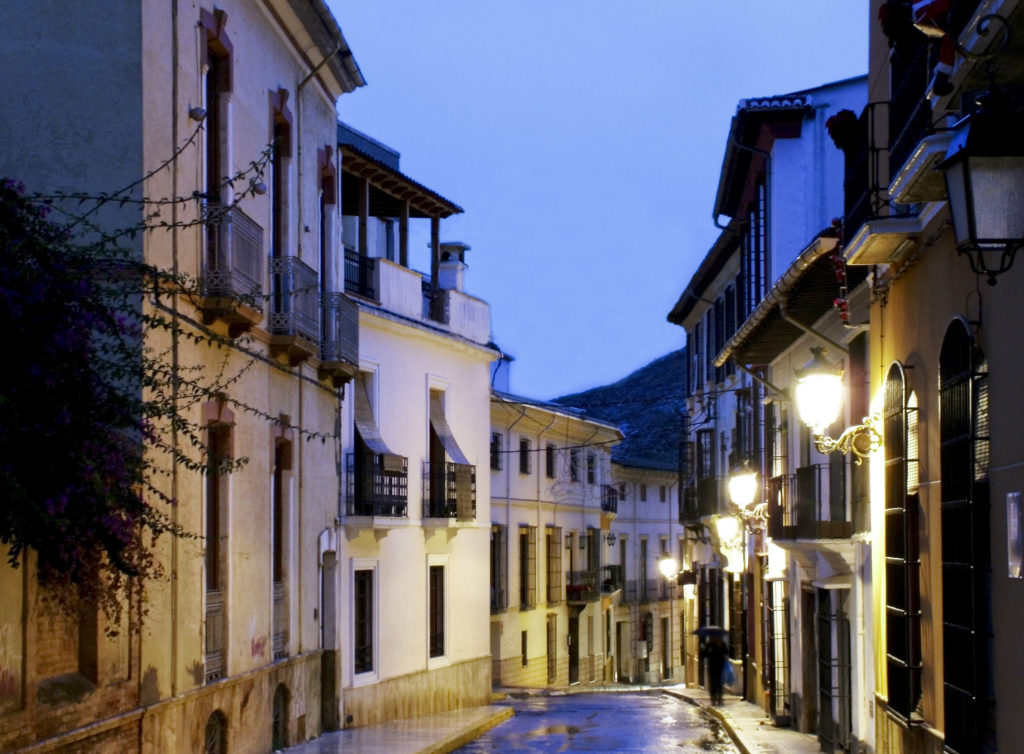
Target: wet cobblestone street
[621, 722]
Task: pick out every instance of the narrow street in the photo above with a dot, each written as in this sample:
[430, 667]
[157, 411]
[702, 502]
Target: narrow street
[620, 722]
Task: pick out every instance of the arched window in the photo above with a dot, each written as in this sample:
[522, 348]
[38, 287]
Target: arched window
[902, 555]
[966, 610]
[279, 718]
[216, 738]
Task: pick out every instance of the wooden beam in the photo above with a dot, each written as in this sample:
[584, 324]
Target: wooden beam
[403, 235]
[364, 215]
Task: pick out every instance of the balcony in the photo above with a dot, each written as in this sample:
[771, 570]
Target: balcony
[449, 491]
[581, 587]
[339, 338]
[230, 282]
[653, 590]
[611, 579]
[609, 499]
[294, 320]
[435, 303]
[360, 275]
[631, 592]
[377, 485]
[809, 505]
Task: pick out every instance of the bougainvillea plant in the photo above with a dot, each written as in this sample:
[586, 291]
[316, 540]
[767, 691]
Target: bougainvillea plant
[75, 475]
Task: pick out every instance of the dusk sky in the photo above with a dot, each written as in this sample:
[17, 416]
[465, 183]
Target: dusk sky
[584, 140]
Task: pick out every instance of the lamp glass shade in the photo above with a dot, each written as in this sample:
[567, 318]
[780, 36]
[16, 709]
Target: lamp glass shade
[668, 567]
[728, 527]
[743, 488]
[819, 399]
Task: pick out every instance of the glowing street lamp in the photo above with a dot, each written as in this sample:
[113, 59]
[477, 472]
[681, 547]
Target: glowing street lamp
[819, 392]
[743, 488]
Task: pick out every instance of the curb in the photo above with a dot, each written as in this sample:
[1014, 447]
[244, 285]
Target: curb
[722, 717]
[471, 733]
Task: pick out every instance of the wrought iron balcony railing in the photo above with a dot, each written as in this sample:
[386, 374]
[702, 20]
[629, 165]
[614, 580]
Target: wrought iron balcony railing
[294, 299]
[435, 303]
[449, 490]
[581, 586]
[231, 278]
[359, 272]
[609, 499]
[810, 504]
[611, 578]
[339, 337]
[499, 599]
[377, 485]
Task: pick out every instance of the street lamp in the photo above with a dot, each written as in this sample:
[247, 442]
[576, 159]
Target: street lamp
[743, 488]
[668, 567]
[984, 172]
[819, 400]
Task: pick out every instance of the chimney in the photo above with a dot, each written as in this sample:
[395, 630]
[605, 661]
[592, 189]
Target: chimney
[452, 269]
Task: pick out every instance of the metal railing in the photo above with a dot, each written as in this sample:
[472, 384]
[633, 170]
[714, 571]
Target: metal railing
[609, 499]
[611, 578]
[294, 296]
[435, 302]
[377, 486]
[581, 586]
[280, 634]
[449, 490]
[631, 591]
[359, 271]
[213, 656]
[709, 495]
[499, 599]
[809, 504]
[233, 260]
[653, 590]
[339, 329]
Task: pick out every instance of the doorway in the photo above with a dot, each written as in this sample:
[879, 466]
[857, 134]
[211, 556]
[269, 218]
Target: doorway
[574, 649]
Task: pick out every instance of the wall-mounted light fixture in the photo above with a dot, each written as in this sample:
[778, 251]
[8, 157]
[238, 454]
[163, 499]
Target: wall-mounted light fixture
[984, 172]
[610, 538]
[819, 401]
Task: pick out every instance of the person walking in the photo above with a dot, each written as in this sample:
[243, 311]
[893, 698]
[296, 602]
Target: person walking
[717, 653]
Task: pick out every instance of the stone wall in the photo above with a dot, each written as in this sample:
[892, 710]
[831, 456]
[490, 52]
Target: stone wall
[465, 684]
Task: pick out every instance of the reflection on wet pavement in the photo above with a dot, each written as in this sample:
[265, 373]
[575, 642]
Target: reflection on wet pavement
[621, 722]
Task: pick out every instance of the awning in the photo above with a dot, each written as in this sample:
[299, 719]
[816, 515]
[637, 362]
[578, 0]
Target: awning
[444, 432]
[367, 428]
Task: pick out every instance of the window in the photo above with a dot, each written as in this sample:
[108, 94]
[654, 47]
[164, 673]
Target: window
[363, 621]
[553, 537]
[216, 735]
[662, 493]
[527, 566]
[216, 60]
[525, 456]
[549, 461]
[574, 465]
[522, 648]
[966, 531]
[622, 491]
[219, 421]
[710, 329]
[902, 559]
[436, 610]
[280, 163]
[591, 468]
[279, 554]
[496, 451]
[643, 493]
[499, 566]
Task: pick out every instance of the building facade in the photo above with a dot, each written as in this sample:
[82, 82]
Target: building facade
[415, 520]
[780, 187]
[552, 582]
[228, 114]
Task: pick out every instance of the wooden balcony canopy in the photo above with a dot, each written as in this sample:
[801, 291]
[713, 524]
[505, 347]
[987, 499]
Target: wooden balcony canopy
[806, 291]
[389, 189]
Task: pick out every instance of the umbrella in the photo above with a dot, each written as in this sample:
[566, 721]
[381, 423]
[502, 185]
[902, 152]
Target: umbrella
[706, 632]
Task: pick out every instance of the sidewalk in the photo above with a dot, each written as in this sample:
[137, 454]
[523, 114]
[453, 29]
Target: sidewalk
[748, 726]
[434, 734]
